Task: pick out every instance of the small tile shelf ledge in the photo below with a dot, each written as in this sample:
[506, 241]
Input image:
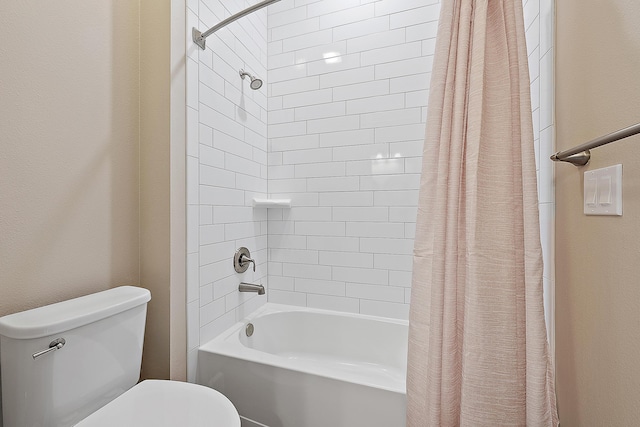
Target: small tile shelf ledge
[271, 203]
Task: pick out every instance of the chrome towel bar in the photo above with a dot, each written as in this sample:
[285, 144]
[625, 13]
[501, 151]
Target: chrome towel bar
[580, 155]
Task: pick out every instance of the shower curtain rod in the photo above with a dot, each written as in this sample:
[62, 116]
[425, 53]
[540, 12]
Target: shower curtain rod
[580, 155]
[201, 38]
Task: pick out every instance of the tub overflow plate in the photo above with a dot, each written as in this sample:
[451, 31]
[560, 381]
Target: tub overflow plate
[249, 329]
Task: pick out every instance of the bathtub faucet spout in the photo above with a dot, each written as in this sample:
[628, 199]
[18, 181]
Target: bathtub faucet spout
[250, 287]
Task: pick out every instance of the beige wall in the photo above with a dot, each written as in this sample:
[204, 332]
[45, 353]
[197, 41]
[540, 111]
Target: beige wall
[162, 182]
[91, 193]
[178, 203]
[154, 181]
[598, 258]
[69, 149]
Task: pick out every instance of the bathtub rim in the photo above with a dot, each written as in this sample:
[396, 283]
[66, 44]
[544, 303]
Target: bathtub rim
[228, 344]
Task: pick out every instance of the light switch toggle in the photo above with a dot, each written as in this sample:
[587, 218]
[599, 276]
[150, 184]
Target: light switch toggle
[591, 192]
[603, 191]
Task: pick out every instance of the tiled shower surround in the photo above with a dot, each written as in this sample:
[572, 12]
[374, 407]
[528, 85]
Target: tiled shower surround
[539, 24]
[338, 128]
[348, 89]
[226, 168]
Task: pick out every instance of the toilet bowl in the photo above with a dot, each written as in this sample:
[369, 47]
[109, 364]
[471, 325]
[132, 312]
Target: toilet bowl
[77, 362]
[159, 403]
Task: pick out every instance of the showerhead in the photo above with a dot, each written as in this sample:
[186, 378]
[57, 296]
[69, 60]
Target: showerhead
[256, 83]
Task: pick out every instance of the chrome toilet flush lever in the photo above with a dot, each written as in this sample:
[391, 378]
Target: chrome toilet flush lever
[242, 259]
[54, 345]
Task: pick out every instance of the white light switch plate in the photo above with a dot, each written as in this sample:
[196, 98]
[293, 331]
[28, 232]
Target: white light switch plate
[603, 191]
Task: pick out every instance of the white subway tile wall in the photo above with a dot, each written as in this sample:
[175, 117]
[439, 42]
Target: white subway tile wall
[226, 168]
[538, 19]
[348, 82]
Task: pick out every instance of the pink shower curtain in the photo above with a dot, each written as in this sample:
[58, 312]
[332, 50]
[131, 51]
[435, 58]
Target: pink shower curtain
[478, 352]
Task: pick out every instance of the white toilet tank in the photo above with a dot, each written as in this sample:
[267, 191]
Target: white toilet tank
[103, 334]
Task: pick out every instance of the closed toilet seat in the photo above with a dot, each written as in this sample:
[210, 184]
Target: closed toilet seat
[160, 403]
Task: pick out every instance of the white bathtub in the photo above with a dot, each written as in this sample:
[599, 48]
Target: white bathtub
[305, 367]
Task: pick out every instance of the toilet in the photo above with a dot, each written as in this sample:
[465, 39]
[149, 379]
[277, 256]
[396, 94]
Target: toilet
[77, 363]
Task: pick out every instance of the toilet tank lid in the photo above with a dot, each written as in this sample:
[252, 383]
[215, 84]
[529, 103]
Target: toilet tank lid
[66, 315]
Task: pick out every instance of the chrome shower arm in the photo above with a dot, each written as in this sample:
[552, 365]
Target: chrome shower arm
[201, 38]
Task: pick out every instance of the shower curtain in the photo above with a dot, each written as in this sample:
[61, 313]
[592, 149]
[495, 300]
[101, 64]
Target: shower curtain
[478, 352]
